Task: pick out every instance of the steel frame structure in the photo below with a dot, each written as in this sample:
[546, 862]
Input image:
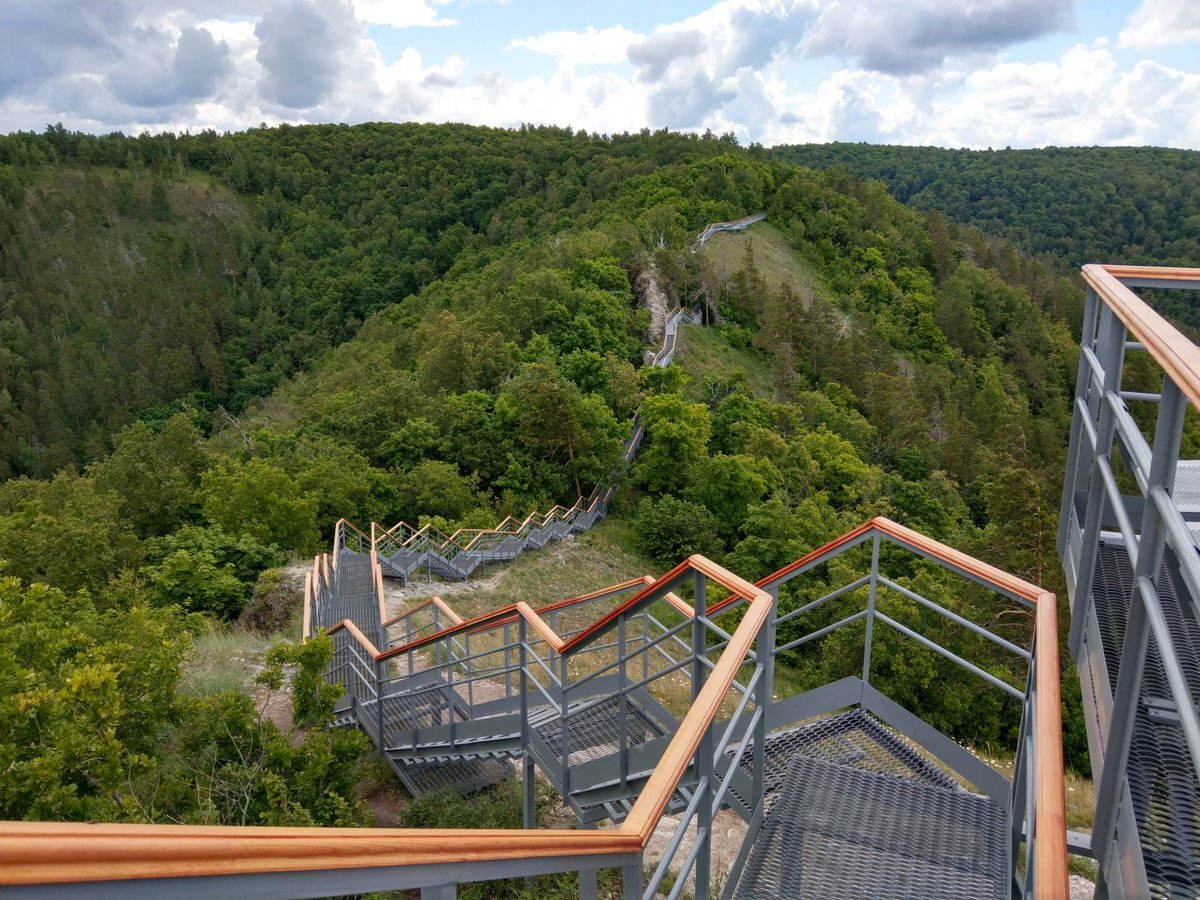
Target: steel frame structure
[1133, 504]
[551, 669]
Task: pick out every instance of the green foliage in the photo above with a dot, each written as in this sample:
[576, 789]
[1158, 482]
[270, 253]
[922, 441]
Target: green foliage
[156, 473]
[1094, 204]
[85, 696]
[670, 529]
[92, 727]
[194, 580]
[240, 552]
[259, 499]
[675, 444]
[312, 696]
[67, 532]
[435, 488]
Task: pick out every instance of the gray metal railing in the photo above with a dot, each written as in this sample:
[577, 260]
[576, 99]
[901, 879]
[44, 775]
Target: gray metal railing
[1129, 551]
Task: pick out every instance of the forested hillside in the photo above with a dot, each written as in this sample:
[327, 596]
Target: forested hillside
[439, 323]
[1079, 204]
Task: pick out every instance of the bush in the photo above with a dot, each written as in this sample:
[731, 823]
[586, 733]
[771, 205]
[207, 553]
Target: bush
[669, 529]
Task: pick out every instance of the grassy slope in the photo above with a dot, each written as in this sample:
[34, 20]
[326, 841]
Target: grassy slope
[774, 258]
[704, 351]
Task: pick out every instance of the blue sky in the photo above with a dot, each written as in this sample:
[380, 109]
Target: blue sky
[946, 72]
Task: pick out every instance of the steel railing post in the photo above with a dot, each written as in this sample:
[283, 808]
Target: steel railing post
[871, 594]
[699, 633]
[1111, 355]
[564, 727]
[1168, 434]
[380, 676]
[623, 705]
[528, 800]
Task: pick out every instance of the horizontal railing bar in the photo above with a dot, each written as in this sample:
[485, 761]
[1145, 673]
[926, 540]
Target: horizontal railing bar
[737, 712]
[1088, 425]
[1095, 370]
[832, 595]
[1134, 440]
[537, 659]
[950, 655]
[680, 641]
[632, 655]
[589, 704]
[1182, 541]
[1141, 395]
[702, 836]
[955, 617]
[545, 693]
[812, 636]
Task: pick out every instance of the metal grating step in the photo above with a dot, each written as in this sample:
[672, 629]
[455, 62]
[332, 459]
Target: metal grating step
[855, 739]
[354, 597]
[455, 776]
[1163, 783]
[596, 732]
[839, 831]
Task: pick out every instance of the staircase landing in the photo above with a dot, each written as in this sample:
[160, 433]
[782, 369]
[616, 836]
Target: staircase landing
[834, 830]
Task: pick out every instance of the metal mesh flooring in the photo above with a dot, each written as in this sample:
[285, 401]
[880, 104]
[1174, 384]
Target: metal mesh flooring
[596, 732]
[455, 776]
[422, 710]
[354, 597]
[845, 832]
[855, 739]
[1163, 784]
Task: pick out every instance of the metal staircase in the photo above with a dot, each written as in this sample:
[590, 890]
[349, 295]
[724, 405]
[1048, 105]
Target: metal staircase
[841, 788]
[634, 702]
[1128, 542]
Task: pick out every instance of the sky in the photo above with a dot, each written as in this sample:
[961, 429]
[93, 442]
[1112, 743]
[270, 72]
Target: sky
[950, 73]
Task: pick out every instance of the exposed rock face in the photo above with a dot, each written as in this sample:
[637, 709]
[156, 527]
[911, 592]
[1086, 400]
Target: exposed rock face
[650, 295]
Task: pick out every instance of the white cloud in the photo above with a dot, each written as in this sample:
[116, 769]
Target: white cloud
[592, 46]
[1160, 23]
[400, 13]
[734, 66]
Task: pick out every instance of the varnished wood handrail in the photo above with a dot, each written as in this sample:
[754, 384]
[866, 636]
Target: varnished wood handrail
[309, 587]
[657, 792]
[447, 611]
[35, 852]
[1051, 815]
[1178, 356]
[368, 644]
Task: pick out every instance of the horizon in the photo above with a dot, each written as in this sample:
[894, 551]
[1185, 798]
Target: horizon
[983, 74]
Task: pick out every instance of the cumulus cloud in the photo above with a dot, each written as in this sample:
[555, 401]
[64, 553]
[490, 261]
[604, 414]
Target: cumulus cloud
[166, 72]
[400, 13]
[913, 71]
[1159, 23]
[654, 55]
[592, 46]
[906, 36]
[300, 48]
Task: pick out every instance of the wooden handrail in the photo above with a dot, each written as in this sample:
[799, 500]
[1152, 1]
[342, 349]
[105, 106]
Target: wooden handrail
[34, 852]
[441, 604]
[1051, 814]
[657, 792]
[1178, 357]
[309, 587]
[368, 644]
